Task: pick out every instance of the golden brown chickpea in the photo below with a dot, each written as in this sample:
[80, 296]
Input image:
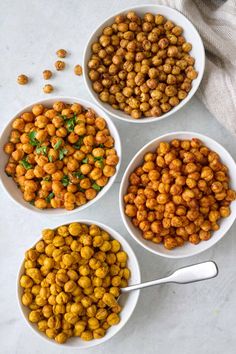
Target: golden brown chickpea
[59, 65]
[22, 79]
[61, 53]
[48, 88]
[47, 74]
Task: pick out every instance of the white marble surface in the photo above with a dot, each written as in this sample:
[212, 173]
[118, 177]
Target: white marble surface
[170, 319]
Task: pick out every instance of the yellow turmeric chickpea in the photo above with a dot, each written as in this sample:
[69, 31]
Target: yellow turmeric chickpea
[34, 316]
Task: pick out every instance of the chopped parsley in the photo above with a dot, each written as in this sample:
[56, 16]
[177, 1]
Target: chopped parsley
[25, 164]
[49, 197]
[32, 136]
[85, 160]
[100, 161]
[50, 158]
[62, 153]
[41, 150]
[34, 142]
[96, 187]
[79, 143]
[70, 124]
[62, 116]
[48, 178]
[98, 158]
[58, 144]
[78, 175]
[101, 145]
[65, 180]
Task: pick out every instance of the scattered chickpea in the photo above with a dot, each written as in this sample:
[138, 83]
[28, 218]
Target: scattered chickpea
[22, 79]
[78, 70]
[69, 295]
[61, 53]
[179, 193]
[48, 88]
[60, 65]
[47, 74]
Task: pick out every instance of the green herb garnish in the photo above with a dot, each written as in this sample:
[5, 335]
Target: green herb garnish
[78, 144]
[78, 175]
[25, 164]
[100, 160]
[32, 202]
[62, 116]
[47, 179]
[41, 150]
[62, 153]
[58, 144]
[70, 124]
[65, 180]
[49, 197]
[96, 187]
[101, 145]
[50, 158]
[85, 160]
[32, 136]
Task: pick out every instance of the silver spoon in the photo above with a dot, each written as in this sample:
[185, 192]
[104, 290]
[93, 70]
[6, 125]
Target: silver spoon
[185, 275]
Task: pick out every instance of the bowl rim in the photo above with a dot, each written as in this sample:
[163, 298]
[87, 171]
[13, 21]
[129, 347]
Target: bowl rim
[62, 211]
[127, 172]
[175, 109]
[126, 247]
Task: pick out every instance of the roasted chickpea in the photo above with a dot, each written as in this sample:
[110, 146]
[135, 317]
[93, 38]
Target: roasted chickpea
[48, 88]
[60, 65]
[183, 196]
[22, 79]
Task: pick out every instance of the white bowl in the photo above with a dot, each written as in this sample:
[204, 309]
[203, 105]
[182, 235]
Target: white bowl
[188, 249]
[10, 186]
[191, 35]
[128, 301]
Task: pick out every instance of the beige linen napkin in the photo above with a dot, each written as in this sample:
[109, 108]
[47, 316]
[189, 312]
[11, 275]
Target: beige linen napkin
[216, 22]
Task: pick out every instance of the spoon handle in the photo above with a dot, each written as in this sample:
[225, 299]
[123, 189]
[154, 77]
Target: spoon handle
[185, 275]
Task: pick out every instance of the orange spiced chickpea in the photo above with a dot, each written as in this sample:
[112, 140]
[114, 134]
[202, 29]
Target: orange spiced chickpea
[179, 193]
[60, 156]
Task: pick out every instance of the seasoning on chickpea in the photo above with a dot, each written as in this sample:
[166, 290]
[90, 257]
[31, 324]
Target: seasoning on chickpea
[60, 156]
[22, 79]
[179, 193]
[48, 88]
[142, 65]
[47, 74]
[70, 288]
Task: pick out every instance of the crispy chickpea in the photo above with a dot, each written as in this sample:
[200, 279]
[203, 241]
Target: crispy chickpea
[34, 316]
[48, 88]
[47, 74]
[61, 53]
[22, 79]
[59, 65]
